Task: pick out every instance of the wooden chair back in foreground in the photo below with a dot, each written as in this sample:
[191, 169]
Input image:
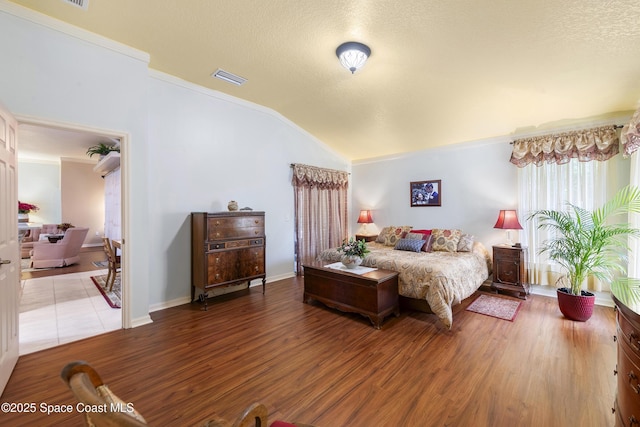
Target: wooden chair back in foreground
[88, 388]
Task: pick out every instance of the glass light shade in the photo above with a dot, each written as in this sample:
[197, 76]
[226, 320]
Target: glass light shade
[365, 217]
[508, 220]
[353, 55]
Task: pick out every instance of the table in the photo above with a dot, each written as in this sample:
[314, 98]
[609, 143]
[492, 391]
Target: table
[53, 238]
[367, 237]
[373, 294]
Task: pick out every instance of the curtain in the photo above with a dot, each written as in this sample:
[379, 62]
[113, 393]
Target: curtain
[630, 136]
[558, 169]
[600, 143]
[551, 186]
[320, 198]
[112, 201]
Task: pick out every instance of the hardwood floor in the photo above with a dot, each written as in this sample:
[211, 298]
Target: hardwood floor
[315, 365]
[87, 256]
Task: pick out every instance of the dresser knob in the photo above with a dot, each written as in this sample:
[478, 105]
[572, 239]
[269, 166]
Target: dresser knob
[636, 345]
[615, 372]
[632, 420]
[615, 338]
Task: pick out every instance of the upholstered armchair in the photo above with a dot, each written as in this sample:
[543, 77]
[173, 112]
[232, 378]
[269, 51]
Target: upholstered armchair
[33, 235]
[62, 253]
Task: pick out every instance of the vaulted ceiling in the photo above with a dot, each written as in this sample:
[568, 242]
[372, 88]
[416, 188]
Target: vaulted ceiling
[441, 71]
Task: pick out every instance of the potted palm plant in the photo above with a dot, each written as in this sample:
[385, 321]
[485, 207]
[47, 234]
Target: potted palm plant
[102, 149]
[588, 243]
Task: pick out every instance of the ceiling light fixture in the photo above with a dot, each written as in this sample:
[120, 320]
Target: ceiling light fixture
[353, 55]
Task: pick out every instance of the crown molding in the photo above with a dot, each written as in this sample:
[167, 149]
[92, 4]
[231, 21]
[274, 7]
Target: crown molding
[70, 30]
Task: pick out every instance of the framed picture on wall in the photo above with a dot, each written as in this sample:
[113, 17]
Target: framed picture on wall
[426, 193]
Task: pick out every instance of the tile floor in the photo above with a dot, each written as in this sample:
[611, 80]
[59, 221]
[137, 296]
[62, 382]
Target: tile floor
[56, 310]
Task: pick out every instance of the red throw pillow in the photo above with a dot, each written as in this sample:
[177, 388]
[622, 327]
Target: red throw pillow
[425, 232]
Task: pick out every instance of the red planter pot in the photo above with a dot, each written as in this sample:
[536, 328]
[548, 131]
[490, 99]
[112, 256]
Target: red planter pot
[576, 307]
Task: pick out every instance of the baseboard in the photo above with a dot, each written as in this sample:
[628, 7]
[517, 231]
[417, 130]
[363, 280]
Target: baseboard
[602, 298]
[140, 321]
[185, 300]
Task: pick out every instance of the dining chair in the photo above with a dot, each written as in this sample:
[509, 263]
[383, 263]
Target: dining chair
[113, 262]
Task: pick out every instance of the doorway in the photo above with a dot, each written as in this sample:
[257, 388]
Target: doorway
[67, 303]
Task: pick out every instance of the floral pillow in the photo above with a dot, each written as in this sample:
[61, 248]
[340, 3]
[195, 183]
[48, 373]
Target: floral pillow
[396, 234]
[411, 245]
[466, 243]
[383, 233]
[445, 240]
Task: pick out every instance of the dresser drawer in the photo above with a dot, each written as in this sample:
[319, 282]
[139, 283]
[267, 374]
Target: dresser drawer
[506, 254]
[629, 333]
[225, 266]
[628, 396]
[233, 244]
[243, 226]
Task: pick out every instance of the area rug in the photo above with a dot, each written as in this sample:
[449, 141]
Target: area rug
[113, 298]
[101, 264]
[502, 308]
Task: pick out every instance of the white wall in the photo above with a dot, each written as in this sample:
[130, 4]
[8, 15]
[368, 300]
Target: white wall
[65, 192]
[51, 71]
[208, 149]
[477, 181]
[186, 148]
[39, 184]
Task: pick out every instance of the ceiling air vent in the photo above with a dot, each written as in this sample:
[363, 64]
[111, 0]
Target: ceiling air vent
[228, 77]
[84, 4]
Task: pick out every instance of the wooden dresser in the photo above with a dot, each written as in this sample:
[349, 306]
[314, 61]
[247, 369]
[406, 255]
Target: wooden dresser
[510, 270]
[227, 248]
[627, 403]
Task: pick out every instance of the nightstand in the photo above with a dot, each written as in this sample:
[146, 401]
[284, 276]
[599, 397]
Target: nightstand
[510, 270]
[369, 238]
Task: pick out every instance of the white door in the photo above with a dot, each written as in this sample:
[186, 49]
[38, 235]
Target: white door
[9, 247]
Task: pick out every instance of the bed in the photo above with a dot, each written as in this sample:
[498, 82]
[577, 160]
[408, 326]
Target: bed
[438, 273]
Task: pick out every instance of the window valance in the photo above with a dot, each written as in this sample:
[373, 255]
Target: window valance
[630, 135]
[600, 143]
[320, 177]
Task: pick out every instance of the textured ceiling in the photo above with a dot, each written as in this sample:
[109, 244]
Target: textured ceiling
[441, 72]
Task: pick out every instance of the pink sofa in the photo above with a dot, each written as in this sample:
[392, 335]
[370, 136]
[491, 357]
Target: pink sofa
[65, 252]
[33, 235]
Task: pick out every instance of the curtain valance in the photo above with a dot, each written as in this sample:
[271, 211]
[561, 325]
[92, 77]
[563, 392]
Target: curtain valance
[630, 135]
[600, 143]
[320, 177]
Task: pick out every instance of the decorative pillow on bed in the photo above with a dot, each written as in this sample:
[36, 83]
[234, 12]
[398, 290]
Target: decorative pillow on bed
[466, 243]
[383, 233]
[428, 244]
[426, 239]
[425, 232]
[415, 236]
[396, 234]
[445, 240]
[409, 245]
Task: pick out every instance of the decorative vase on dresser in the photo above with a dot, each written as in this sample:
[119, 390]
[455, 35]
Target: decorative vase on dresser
[627, 404]
[227, 248]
